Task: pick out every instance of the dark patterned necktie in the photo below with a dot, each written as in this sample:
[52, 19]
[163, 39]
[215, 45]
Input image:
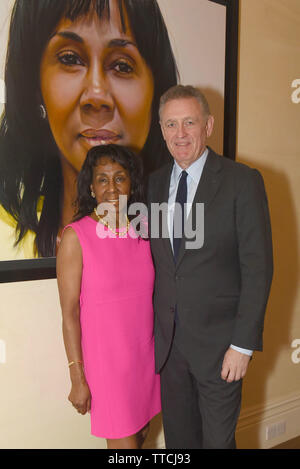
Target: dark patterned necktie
[179, 214]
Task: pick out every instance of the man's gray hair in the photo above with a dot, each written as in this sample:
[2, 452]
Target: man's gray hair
[184, 91]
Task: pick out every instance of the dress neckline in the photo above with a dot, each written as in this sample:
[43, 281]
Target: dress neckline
[104, 226]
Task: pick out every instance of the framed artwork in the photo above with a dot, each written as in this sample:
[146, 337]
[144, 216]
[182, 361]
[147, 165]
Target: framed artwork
[199, 40]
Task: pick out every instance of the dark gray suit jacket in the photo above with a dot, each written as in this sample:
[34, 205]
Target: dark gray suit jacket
[220, 289]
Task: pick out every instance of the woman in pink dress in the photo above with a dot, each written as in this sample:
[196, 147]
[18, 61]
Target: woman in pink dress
[105, 278]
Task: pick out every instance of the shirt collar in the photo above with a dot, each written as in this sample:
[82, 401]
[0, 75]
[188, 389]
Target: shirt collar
[195, 170]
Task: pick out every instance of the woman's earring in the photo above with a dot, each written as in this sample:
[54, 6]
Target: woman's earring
[43, 111]
[93, 194]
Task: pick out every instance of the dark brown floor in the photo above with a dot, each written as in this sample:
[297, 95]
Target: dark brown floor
[291, 444]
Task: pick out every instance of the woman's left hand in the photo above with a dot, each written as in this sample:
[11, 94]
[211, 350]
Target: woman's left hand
[80, 397]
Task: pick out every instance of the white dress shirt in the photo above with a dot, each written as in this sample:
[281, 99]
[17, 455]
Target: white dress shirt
[194, 172]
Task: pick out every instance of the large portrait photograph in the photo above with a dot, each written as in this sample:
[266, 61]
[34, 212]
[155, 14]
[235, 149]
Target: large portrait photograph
[78, 74]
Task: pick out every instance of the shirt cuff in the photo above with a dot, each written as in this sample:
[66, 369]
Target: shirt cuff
[242, 350]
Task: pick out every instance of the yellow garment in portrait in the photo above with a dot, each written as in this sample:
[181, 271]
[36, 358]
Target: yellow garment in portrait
[25, 249]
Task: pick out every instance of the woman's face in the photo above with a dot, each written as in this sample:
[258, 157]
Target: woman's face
[96, 87]
[110, 180]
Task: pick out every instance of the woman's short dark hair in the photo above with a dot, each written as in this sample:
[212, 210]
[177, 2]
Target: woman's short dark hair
[29, 158]
[119, 154]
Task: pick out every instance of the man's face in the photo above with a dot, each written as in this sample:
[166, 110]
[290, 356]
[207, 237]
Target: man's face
[185, 129]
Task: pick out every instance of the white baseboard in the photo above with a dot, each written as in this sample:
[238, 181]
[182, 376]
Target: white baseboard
[254, 422]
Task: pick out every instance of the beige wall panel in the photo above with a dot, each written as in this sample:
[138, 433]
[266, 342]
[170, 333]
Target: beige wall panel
[269, 139]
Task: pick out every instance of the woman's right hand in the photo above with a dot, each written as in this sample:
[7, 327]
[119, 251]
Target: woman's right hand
[80, 397]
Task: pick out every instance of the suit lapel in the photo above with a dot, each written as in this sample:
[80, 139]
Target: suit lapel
[164, 197]
[207, 188]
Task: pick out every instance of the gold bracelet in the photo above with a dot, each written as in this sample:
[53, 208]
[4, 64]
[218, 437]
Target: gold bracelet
[73, 362]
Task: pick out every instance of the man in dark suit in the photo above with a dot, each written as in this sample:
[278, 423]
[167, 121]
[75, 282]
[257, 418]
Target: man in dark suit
[210, 297]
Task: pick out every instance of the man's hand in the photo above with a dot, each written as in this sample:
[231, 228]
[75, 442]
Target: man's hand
[234, 366]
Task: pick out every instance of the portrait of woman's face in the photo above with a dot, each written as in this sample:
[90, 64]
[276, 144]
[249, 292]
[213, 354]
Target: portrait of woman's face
[93, 77]
[95, 86]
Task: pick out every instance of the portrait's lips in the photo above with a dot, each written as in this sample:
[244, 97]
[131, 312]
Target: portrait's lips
[100, 136]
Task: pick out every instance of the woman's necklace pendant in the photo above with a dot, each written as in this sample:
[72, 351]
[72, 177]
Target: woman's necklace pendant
[120, 233]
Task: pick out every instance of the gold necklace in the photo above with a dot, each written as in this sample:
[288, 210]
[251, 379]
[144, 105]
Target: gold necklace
[105, 223]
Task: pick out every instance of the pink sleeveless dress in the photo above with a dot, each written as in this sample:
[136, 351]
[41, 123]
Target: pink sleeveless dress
[116, 316]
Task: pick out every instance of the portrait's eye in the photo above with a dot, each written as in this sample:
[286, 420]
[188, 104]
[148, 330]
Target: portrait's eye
[69, 58]
[189, 122]
[122, 67]
[120, 179]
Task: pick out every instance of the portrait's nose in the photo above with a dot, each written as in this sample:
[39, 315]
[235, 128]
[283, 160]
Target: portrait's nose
[96, 95]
